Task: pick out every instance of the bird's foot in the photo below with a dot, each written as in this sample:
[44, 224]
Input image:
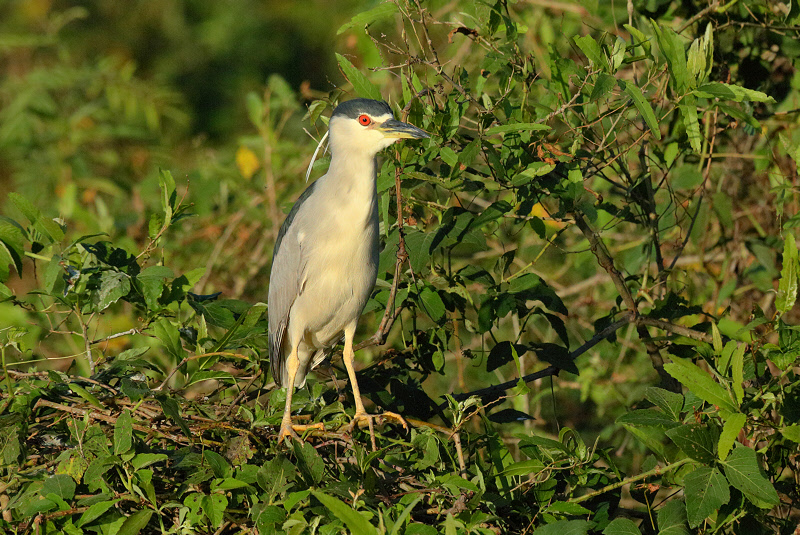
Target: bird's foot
[394, 416]
[291, 430]
[360, 417]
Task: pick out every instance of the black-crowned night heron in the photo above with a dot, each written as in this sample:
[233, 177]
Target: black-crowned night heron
[326, 256]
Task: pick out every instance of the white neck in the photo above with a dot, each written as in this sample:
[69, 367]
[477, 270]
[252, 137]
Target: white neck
[352, 175]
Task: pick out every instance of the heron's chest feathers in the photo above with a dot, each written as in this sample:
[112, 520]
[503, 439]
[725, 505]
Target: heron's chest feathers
[342, 217]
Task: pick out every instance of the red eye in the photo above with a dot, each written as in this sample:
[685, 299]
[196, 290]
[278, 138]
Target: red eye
[364, 120]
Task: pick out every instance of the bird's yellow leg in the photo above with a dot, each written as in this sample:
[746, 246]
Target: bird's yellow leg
[288, 429]
[292, 363]
[348, 356]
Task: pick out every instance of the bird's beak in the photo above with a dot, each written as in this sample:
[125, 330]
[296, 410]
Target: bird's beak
[398, 129]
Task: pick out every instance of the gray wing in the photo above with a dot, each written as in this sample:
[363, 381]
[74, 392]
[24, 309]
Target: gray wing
[284, 285]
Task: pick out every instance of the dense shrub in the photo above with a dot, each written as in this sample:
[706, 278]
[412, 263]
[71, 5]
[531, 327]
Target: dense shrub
[585, 305]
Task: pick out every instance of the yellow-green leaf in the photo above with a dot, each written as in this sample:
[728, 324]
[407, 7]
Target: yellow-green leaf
[361, 84]
[700, 383]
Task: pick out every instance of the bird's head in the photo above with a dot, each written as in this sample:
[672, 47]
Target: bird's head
[367, 126]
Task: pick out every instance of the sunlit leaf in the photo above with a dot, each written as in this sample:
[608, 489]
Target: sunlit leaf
[361, 84]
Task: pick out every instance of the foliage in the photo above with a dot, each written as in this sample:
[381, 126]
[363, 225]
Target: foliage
[592, 262]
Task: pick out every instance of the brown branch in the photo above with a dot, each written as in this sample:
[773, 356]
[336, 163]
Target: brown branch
[242, 394]
[606, 262]
[96, 414]
[714, 5]
[675, 329]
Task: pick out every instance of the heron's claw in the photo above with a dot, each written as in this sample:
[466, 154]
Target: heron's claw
[361, 417]
[291, 430]
[394, 416]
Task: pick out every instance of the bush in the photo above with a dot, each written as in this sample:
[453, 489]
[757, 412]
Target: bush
[592, 262]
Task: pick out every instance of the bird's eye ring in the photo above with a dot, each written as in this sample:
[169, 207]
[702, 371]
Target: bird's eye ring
[364, 120]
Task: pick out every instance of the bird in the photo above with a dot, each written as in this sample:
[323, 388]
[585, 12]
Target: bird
[325, 260]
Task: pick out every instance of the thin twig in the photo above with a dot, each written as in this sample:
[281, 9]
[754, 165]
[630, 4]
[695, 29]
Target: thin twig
[712, 7]
[644, 475]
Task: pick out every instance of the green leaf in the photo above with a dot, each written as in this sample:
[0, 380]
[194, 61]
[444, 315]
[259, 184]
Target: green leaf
[432, 303]
[354, 521]
[123, 432]
[787, 287]
[95, 511]
[309, 461]
[143, 460]
[494, 211]
[113, 286]
[592, 51]
[361, 84]
[255, 108]
[516, 127]
[214, 507]
[85, 394]
[647, 418]
[62, 485]
[99, 466]
[716, 339]
[700, 383]
[652, 437]
[731, 92]
[168, 196]
[527, 175]
[169, 336]
[46, 227]
[621, 526]
[404, 515]
[522, 468]
[744, 473]
[266, 516]
[737, 371]
[792, 432]
[603, 84]
[218, 464]
[695, 440]
[672, 47]
[708, 490]
[151, 283]
[415, 528]
[173, 412]
[229, 483]
[672, 519]
[455, 484]
[502, 353]
[734, 422]
[669, 402]
[689, 113]
[12, 248]
[565, 527]
[633, 91]
[381, 11]
[568, 508]
[136, 522]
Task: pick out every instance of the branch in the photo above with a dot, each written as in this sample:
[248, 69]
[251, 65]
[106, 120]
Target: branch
[550, 370]
[676, 329]
[654, 472]
[391, 313]
[604, 258]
